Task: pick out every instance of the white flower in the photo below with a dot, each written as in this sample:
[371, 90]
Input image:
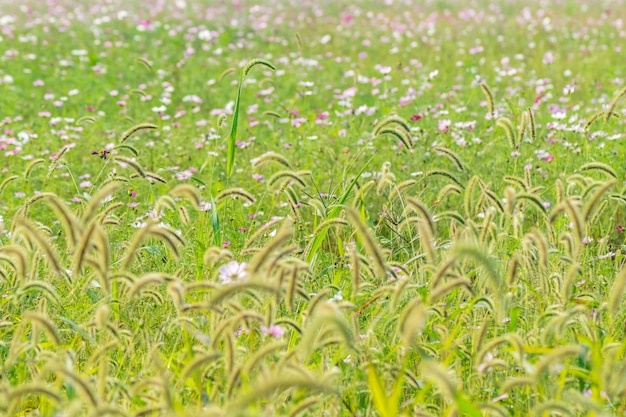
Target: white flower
[233, 271]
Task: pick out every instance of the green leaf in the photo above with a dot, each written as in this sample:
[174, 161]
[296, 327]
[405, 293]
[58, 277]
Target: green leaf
[232, 139]
[383, 405]
[466, 407]
[333, 212]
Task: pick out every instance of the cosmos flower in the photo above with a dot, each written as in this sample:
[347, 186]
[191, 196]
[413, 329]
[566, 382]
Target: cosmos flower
[233, 272]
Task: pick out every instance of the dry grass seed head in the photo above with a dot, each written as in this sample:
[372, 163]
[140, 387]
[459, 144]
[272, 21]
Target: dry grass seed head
[38, 318]
[618, 97]
[598, 166]
[448, 189]
[507, 125]
[189, 191]
[271, 157]
[392, 120]
[150, 278]
[198, 362]
[400, 135]
[617, 291]
[595, 198]
[289, 176]
[521, 128]
[257, 61]
[135, 129]
[436, 373]
[443, 173]
[489, 98]
[421, 209]
[214, 255]
[122, 160]
[412, 321]
[451, 155]
[129, 148]
[165, 234]
[284, 233]
[427, 242]
[29, 168]
[7, 181]
[102, 194]
[399, 188]
[154, 177]
[236, 193]
[531, 124]
[54, 161]
[368, 241]
[28, 231]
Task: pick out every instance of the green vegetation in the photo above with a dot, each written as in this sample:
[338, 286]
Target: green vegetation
[312, 208]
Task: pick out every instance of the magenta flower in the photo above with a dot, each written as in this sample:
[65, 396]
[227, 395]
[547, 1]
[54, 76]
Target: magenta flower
[102, 153]
[416, 117]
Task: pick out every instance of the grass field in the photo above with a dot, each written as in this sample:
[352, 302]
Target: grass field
[312, 208]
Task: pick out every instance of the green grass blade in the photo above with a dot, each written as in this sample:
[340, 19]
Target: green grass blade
[333, 212]
[232, 139]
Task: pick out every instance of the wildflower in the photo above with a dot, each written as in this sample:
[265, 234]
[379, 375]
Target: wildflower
[132, 193]
[416, 117]
[102, 153]
[274, 331]
[619, 228]
[232, 272]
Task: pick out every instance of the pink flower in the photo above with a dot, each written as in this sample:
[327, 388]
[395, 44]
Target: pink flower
[416, 117]
[274, 331]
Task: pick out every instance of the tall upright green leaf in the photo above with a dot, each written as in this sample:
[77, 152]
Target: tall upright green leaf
[232, 139]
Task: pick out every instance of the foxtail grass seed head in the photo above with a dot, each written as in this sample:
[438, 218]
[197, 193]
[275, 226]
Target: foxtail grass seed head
[618, 97]
[135, 129]
[489, 98]
[257, 61]
[521, 127]
[531, 125]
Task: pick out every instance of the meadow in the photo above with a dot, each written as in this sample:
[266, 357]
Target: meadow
[312, 208]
